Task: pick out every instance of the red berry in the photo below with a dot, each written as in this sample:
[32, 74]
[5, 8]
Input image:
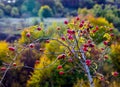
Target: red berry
[97, 27]
[88, 62]
[84, 32]
[94, 31]
[82, 21]
[70, 37]
[89, 41]
[65, 22]
[105, 42]
[106, 56]
[88, 30]
[14, 64]
[85, 49]
[58, 28]
[72, 31]
[59, 67]
[39, 28]
[81, 31]
[37, 62]
[111, 29]
[70, 60]
[61, 56]
[75, 22]
[28, 34]
[111, 34]
[3, 68]
[81, 25]
[69, 31]
[102, 49]
[77, 18]
[63, 38]
[32, 45]
[91, 45]
[47, 41]
[102, 78]
[41, 49]
[12, 48]
[85, 45]
[61, 73]
[115, 73]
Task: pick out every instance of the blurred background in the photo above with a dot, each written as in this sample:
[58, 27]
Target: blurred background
[18, 14]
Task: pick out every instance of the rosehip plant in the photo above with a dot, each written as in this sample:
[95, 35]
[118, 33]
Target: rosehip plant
[80, 41]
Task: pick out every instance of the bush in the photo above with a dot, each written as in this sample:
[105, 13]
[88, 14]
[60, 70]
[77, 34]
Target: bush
[70, 3]
[1, 13]
[3, 52]
[50, 3]
[86, 3]
[14, 12]
[45, 11]
[23, 9]
[8, 9]
[58, 9]
[2, 6]
[115, 54]
[98, 11]
[111, 13]
[84, 11]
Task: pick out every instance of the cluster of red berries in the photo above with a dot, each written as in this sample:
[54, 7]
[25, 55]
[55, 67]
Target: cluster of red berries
[87, 45]
[60, 72]
[95, 30]
[4, 68]
[81, 24]
[70, 33]
[62, 56]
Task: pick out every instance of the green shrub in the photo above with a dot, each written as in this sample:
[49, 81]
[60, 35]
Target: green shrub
[8, 9]
[2, 6]
[45, 11]
[23, 9]
[14, 12]
[1, 13]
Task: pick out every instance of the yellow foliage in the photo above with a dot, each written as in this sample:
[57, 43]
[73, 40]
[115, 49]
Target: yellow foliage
[99, 21]
[115, 48]
[115, 54]
[84, 11]
[106, 35]
[3, 50]
[41, 72]
[3, 46]
[53, 48]
[44, 61]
